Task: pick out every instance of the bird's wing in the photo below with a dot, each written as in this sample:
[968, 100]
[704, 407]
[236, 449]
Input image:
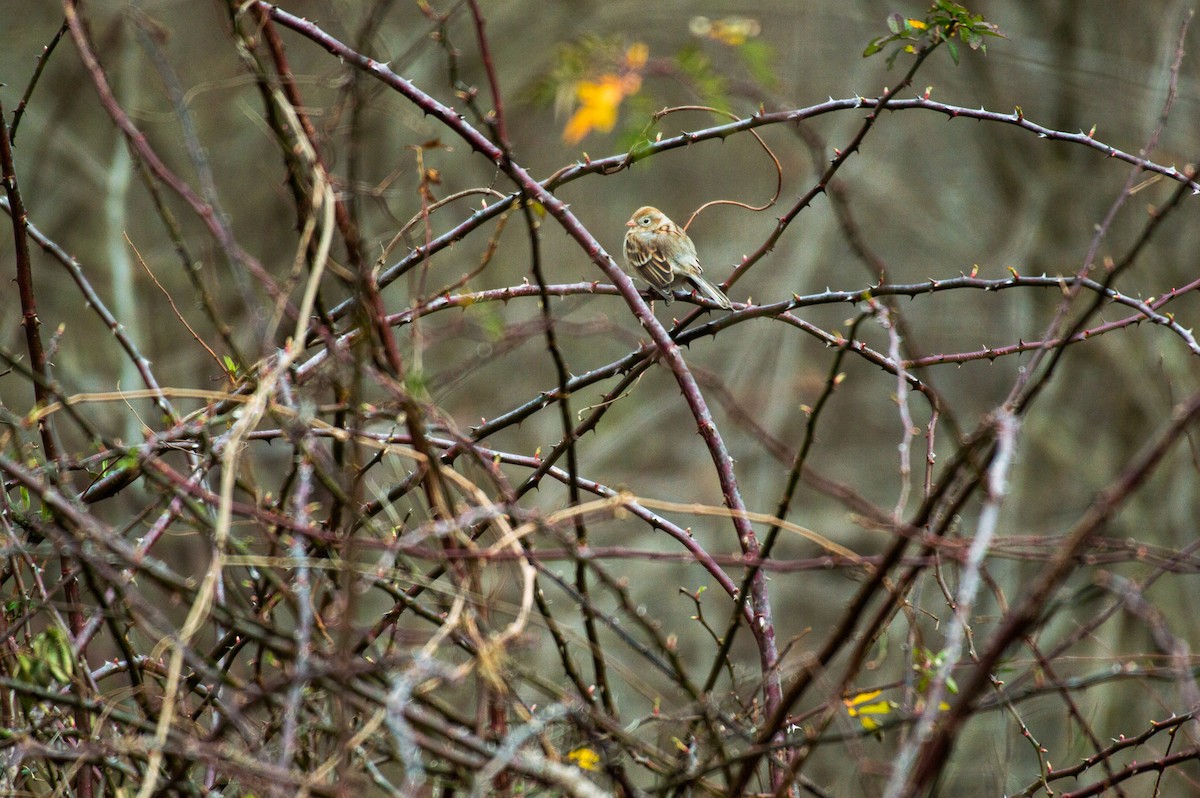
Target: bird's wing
[651, 265]
[688, 261]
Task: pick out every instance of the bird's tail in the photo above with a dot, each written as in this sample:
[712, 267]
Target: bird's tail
[711, 291]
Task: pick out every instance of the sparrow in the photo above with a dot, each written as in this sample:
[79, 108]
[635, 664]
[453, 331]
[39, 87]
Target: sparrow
[663, 255]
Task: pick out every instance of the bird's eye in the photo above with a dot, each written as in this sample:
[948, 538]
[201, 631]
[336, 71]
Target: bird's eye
[644, 220]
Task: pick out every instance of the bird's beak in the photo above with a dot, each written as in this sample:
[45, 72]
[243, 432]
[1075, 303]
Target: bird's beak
[631, 223]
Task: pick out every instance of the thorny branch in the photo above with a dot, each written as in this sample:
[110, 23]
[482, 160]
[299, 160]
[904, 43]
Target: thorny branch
[317, 573]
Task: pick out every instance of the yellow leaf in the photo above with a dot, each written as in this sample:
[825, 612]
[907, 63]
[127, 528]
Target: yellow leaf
[598, 103]
[733, 31]
[585, 758]
[597, 109]
[636, 56]
[869, 723]
[853, 702]
[864, 707]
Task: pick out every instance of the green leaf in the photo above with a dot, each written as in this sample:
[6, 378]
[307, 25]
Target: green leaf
[944, 21]
[694, 63]
[25, 667]
[416, 383]
[489, 321]
[759, 57]
[60, 669]
[640, 149]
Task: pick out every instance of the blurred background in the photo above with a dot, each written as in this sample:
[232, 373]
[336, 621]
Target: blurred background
[931, 198]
